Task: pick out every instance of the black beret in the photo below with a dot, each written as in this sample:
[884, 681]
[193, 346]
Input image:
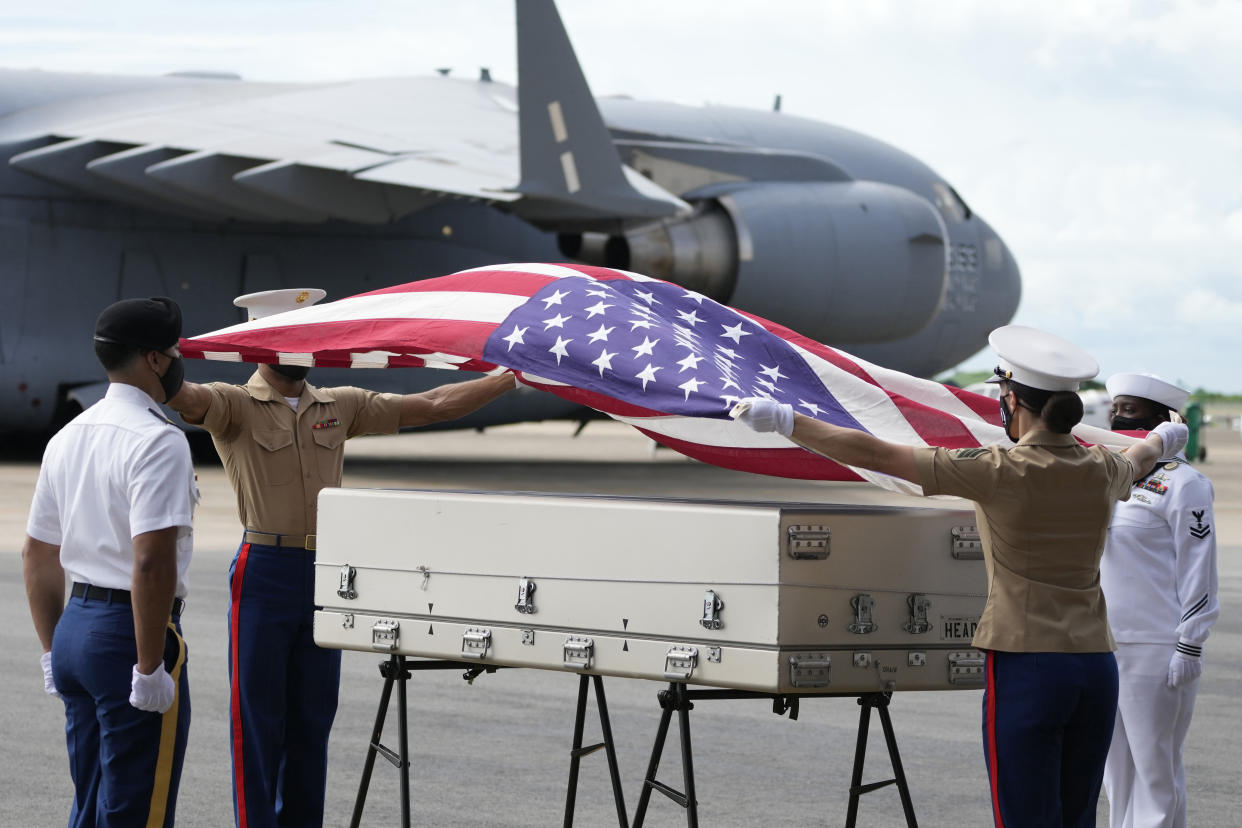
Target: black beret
[153, 323]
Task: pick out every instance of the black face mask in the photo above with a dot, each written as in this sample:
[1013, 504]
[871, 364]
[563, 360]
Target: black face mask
[1120, 423]
[1006, 417]
[292, 372]
[173, 378]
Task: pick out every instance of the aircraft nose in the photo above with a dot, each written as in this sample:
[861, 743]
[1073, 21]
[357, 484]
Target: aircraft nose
[1002, 288]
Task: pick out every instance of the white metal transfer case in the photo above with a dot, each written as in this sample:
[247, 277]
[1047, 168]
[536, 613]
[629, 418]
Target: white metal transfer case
[767, 597]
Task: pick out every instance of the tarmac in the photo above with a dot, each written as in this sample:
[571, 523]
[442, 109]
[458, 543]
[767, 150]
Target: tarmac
[495, 752]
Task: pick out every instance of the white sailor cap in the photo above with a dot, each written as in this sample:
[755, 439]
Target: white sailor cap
[269, 302]
[1039, 359]
[1149, 387]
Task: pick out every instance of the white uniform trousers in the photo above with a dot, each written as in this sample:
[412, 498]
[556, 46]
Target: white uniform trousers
[1144, 775]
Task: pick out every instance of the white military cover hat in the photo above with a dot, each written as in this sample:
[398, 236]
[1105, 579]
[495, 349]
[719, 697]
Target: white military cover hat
[1149, 387]
[1039, 359]
[269, 302]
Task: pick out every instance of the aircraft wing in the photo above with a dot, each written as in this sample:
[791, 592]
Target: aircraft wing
[365, 151]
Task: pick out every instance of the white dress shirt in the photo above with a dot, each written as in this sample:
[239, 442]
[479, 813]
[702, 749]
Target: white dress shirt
[117, 470]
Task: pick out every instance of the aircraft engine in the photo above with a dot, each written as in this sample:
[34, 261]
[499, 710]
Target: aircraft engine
[844, 261]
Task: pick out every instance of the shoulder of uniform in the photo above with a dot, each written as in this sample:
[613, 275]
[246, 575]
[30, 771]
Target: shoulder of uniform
[157, 415]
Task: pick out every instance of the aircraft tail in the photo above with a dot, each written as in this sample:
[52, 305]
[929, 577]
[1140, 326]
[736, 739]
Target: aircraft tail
[571, 172]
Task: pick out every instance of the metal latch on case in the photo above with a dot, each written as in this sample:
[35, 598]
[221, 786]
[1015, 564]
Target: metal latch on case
[680, 662]
[578, 652]
[385, 634]
[809, 669]
[345, 588]
[475, 642]
[808, 541]
[526, 597]
[966, 543]
[966, 667]
[862, 624]
[712, 606]
[918, 623]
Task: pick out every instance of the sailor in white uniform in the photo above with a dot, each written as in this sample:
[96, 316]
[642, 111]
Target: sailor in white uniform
[1159, 579]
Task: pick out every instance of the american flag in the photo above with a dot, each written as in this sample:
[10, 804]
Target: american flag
[667, 360]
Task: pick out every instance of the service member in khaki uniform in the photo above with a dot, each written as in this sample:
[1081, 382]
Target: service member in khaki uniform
[282, 440]
[1043, 508]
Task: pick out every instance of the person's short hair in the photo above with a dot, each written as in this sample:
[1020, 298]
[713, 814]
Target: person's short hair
[116, 356]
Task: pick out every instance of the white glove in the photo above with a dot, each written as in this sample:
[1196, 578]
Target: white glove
[154, 692]
[49, 686]
[765, 415]
[1183, 669]
[1174, 437]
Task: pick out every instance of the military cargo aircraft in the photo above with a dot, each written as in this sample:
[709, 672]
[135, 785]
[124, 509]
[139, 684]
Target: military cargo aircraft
[205, 187]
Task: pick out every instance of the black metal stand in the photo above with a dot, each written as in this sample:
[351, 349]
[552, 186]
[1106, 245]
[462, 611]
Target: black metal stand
[578, 751]
[678, 698]
[392, 670]
[396, 670]
[880, 702]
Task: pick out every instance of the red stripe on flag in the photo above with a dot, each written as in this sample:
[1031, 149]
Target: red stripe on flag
[794, 463]
[935, 426]
[450, 336]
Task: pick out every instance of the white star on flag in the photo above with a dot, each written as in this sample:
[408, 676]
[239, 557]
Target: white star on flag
[690, 385]
[600, 333]
[648, 374]
[597, 309]
[515, 338]
[554, 299]
[559, 349]
[557, 321]
[604, 360]
[735, 332]
[645, 348]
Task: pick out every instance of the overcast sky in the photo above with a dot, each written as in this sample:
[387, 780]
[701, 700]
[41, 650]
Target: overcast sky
[1102, 140]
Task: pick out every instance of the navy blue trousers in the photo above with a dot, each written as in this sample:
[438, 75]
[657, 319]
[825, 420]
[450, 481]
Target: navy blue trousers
[283, 689]
[1047, 725]
[125, 763]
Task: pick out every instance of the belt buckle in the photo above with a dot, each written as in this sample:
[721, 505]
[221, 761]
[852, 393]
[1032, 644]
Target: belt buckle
[308, 543]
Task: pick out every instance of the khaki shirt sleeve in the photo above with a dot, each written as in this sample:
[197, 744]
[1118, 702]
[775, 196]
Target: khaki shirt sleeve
[226, 411]
[1121, 477]
[373, 413]
[972, 473]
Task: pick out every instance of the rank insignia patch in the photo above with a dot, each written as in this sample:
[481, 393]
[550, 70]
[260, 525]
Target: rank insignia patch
[332, 423]
[1200, 530]
[969, 453]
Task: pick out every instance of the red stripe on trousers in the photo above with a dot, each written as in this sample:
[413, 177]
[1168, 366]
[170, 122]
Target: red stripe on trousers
[239, 776]
[993, 776]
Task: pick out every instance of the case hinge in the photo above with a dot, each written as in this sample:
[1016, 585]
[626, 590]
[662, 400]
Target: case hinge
[680, 662]
[475, 642]
[809, 669]
[808, 541]
[578, 652]
[966, 667]
[966, 543]
[526, 597]
[384, 634]
[712, 605]
[345, 588]
[918, 623]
